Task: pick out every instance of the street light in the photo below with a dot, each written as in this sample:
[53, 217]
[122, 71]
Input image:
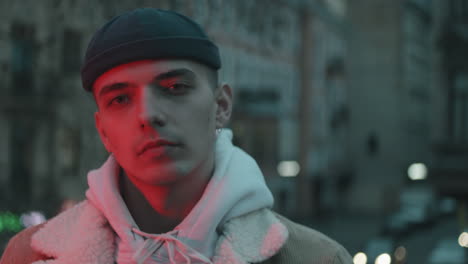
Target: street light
[383, 259]
[289, 168]
[463, 239]
[417, 171]
[360, 258]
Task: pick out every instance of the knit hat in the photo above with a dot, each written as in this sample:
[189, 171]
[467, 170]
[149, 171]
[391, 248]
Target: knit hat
[146, 33]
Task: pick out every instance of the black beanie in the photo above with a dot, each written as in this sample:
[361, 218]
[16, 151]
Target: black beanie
[146, 33]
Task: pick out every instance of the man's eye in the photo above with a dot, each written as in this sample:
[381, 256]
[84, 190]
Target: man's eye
[177, 88]
[119, 100]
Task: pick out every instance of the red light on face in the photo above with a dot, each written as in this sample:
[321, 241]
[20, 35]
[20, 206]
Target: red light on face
[160, 128]
[159, 152]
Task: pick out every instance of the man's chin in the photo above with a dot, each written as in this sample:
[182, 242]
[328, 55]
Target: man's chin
[159, 176]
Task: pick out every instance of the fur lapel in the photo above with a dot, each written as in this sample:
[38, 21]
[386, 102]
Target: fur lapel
[83, 235]
[251, 238]
[78, 235]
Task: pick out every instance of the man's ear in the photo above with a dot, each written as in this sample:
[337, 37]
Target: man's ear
[101, 131]
[224, 105]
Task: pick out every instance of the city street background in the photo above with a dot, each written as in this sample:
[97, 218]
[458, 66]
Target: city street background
[355, 110]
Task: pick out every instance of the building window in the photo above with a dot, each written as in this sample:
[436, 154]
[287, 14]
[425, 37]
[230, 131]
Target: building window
[460, 108]
[21, 153]
[71, 51]
[459, 10]
[258, 136]
[23, 56]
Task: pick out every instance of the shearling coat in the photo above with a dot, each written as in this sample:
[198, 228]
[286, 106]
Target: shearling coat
[83, 235]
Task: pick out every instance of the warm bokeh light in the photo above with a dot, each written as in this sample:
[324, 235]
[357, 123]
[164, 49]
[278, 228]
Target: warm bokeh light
[360, 258]
[400, 253]
[417, 171]
[463, 239]
[67, 204]
[288, 168]
[383, 259]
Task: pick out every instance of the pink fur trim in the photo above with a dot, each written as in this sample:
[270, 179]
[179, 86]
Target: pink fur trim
[275, 238]
[79, 235]
[227, 255]
[83, 235]
[254, 237]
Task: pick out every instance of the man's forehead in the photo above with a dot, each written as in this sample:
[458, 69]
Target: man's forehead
[142, 70]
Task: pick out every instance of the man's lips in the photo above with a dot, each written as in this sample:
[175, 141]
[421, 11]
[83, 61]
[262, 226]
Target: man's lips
[156, 144]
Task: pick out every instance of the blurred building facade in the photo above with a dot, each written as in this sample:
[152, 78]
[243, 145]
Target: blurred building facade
[48, 138]
[323, 110]
[390, 62]
[49, 142]
[354, 91]
[450, 85]
[407, 73]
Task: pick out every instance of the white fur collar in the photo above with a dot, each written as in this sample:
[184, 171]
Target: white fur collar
[83, 235]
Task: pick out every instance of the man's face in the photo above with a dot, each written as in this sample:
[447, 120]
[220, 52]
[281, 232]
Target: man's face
[158, 118]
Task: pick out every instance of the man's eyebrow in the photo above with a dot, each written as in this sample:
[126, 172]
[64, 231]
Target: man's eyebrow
[174, 73]
[163, 76]
[113, 87]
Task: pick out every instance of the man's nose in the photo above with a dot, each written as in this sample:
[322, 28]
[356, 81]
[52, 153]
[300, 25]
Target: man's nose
[151, 111]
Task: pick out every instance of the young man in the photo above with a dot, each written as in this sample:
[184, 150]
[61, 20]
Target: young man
[174, 189]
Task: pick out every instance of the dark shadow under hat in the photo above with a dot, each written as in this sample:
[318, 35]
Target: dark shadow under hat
[146, 33]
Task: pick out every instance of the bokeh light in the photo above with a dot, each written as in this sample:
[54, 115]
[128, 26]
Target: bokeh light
[400, 253]
[463, 239]
[9, 222]
[360, 258]
[417, 171]
[383, 259]
[32, 219]
[288, 168]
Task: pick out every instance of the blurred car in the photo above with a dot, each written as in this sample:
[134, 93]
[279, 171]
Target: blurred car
[396, 224]
[378, 246]
[447, 206]
[418, 206]
[448, 251]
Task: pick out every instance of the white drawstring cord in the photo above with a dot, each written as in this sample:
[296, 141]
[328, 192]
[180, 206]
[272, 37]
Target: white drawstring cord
[154, 242]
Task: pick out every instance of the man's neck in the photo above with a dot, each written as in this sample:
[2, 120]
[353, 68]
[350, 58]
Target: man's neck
[160, 208]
